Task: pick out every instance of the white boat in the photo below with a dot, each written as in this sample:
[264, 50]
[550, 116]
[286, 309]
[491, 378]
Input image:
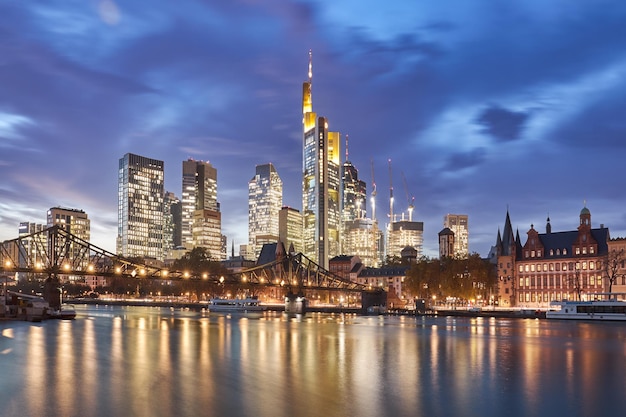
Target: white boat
[605, 310]
[65, 312]
[242, 305]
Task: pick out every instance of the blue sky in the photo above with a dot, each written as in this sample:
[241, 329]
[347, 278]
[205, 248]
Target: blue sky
[482, 105]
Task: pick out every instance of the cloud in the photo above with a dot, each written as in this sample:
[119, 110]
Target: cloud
[501, 123]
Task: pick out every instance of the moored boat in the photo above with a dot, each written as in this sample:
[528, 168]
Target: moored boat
[65, 312]
[605, 310]
[243, 305]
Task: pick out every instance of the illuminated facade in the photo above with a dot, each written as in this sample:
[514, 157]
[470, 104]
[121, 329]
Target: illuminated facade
[551, 265]
[458, 224]
[402, 234]
[290, 228]
[354, 194]
[362, 238]
[171, 223]
[36, 246]
[199, 193]
[265, 199]
[140, 207]
[321, 181]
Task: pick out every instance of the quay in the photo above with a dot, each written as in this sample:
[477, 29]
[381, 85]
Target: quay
[438, 312]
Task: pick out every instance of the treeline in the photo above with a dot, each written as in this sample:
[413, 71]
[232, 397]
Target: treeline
[471, 278]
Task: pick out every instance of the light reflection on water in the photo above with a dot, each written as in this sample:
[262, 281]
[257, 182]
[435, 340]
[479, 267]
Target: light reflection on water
[162, 362]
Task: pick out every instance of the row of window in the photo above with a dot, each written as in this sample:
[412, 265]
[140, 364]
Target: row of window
[535, 297]
[584, 251]
[559, 266]
[556, 281]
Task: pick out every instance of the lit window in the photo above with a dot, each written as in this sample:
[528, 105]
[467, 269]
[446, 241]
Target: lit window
[577, 251]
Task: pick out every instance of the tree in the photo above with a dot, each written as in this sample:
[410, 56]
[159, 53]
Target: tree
[613, 266]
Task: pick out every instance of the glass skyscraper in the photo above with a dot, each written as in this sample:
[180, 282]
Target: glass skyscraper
[140, 207]
[201, 216]
[321, 179]
[265, 199]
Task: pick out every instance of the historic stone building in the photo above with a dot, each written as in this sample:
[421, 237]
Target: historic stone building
[552, 265]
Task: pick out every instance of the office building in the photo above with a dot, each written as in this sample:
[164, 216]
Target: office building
[140, 207]
[290, 228]
[199, 192]
[321, 178]
[458, 224]
[265, 199]
[402, 234]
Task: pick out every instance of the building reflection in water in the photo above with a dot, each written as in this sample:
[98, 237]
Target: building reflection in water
[162, 362]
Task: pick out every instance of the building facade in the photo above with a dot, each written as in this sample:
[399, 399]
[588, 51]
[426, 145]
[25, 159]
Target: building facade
[140, 207]
[402, 234]
[458, 223]
[199, 192]
[290, 228]
[552, 265]
[265, 200]
[321, 177]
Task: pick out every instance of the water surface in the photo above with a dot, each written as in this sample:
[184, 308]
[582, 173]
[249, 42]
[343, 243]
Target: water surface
[140, 361]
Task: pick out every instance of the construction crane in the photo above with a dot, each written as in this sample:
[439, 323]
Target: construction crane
[410, 200]
[391, 220]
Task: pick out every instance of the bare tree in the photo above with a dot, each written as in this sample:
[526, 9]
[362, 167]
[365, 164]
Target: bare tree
[613, 266]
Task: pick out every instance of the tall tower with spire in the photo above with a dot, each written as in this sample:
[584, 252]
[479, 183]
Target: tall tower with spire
[320, 181]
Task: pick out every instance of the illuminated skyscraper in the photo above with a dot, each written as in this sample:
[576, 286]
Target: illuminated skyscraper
[290, 228]
[140, 207]
[199, 193]
[402, 234]
[265, 199]
[201, 216]
[320, 182]
[457, 223]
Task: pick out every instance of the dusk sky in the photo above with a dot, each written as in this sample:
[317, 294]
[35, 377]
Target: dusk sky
[482, 105]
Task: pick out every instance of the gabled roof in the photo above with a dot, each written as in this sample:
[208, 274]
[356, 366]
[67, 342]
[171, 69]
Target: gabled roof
[565, 240]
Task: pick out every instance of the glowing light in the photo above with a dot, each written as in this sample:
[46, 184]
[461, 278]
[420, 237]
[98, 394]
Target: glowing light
[164, 273]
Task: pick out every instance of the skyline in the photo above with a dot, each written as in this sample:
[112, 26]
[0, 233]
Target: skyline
[482, 120]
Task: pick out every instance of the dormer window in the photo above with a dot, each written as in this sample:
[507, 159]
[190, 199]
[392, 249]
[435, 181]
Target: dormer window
[564, 251]
[551, 252]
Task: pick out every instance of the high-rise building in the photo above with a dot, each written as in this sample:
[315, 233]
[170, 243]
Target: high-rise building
[457, 223]
[354, 194]
[199, 193]
[265, 199]
[140, 207]
[321, 190]
[73, 220]
[35, 246]
[77, 223]
[171, 223]
[290, 228]
[402, 234]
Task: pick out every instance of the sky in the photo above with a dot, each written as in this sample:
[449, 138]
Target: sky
[481, 106]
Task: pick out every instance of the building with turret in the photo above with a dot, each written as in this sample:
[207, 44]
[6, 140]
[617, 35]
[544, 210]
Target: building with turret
[552, 265]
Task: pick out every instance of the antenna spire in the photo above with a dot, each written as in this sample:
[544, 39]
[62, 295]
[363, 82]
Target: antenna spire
[347, 147]
[310, 66]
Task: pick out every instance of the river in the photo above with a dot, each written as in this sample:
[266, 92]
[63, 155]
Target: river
[147, 361]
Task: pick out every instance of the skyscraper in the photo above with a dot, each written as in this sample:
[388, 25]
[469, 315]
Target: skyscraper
[320, 182]
[201, 216]
[265, 199]
[199, 193]
[457, 223]
[290, 228]
[140, 207]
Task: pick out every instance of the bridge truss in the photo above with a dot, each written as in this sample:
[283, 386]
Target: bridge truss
[55, 252]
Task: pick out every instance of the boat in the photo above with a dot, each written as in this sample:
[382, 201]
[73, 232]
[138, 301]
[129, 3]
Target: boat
[64, 312]
[604, 310]
[228, 305]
